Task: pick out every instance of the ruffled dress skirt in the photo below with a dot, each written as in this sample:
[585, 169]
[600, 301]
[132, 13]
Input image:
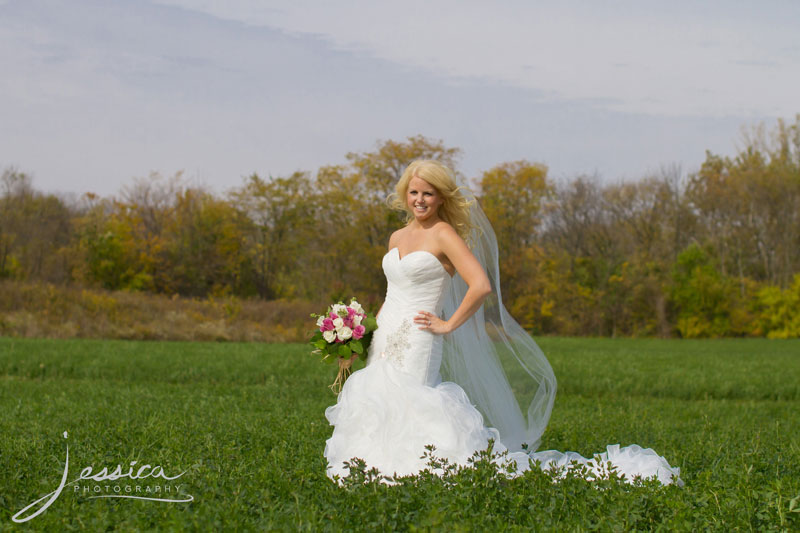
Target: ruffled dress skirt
[387, 417]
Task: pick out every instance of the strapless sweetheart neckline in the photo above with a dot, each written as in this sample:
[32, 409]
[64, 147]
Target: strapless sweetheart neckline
[400, 259]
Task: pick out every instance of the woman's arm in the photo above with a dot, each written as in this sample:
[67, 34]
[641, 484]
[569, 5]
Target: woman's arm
[469, 305]
[473, 274]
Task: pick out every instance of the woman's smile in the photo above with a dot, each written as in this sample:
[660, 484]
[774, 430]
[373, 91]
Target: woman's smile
[423, 199]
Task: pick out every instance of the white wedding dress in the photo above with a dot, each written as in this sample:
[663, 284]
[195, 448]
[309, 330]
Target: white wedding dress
[390, 410]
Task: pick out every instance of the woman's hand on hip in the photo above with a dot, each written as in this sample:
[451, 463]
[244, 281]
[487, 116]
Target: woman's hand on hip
[430, 322]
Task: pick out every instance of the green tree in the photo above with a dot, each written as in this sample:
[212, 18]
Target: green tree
[204, 246]
[280, 214]
[700, 295]
[35, 231]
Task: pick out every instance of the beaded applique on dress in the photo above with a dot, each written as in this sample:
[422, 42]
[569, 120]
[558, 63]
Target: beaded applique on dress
[397, 342]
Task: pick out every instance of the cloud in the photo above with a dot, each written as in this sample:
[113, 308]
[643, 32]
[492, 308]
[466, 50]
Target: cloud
[96, 92]
[757, 63]
[569, 50]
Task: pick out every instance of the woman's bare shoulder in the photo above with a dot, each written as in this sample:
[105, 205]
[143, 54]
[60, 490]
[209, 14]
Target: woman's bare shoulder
[444, 231]
[393, 238]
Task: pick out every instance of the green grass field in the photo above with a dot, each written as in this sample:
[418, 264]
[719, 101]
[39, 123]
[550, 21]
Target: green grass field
[246, 422]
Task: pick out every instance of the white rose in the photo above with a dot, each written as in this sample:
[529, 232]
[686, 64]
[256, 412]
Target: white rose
[338, 322]
[320, 320]
[356, 307]
[329, 335]
[357, 320]
[345, 333]
[339, 308]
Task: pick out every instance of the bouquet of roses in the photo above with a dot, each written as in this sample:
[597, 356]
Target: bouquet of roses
[344, 332]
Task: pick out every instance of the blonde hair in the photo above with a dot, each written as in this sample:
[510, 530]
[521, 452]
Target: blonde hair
[455, 208]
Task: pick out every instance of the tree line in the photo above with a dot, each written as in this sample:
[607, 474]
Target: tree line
[715, 253]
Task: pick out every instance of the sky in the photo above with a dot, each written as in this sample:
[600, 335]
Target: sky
[96, 93]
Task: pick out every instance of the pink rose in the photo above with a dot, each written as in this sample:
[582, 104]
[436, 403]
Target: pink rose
[327, 325]
[358, 332]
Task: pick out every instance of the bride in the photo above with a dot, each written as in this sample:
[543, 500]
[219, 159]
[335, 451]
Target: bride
[448, 365]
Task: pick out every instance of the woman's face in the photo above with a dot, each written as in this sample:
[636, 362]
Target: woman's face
[423, 199]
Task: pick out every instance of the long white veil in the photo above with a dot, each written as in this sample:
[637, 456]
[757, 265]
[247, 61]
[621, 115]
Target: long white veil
[499, 365]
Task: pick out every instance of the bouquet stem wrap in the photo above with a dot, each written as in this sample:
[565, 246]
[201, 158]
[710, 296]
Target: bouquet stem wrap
[345, 369]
